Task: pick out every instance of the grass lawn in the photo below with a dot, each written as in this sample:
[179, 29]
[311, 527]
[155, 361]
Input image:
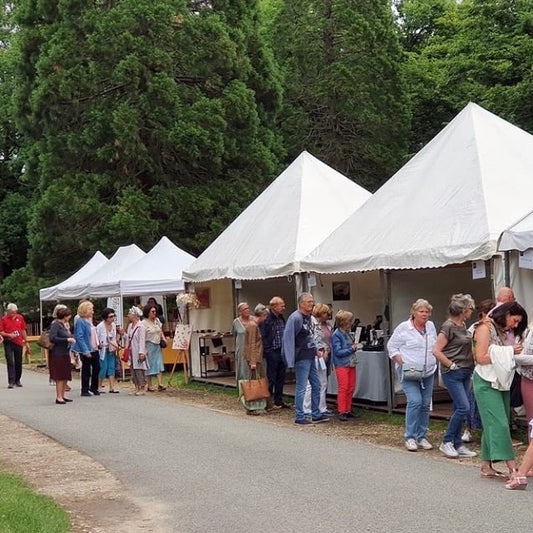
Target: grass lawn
[24, 511]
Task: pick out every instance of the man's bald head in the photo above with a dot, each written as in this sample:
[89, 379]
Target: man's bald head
[505, 295]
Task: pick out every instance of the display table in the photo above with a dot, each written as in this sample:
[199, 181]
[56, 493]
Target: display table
[215, 357]
[372, 379]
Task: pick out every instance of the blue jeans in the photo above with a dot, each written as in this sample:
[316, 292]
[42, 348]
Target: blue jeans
[305, 371]
[458, 384]
[419, 396]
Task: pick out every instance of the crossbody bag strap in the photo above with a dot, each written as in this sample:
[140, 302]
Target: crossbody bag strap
[132, 335]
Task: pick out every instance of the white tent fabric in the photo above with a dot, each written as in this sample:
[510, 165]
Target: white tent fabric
[282, 225]
[448, 204]
[61, 290]
[518, 237]
[109, 272]
[158, 272]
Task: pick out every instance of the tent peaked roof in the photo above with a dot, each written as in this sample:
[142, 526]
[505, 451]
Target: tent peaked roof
[157, 272]
[58, 291]
[448, 204]
[122, 258]
[283, 224]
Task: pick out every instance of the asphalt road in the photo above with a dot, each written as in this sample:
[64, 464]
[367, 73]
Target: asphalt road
[213, 472]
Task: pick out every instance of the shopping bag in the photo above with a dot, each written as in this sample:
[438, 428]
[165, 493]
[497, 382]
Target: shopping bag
[44, 340]
[255, 388]
[255, 405]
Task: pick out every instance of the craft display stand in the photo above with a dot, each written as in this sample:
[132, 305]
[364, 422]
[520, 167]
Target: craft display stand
[182, 357]
[212, 347]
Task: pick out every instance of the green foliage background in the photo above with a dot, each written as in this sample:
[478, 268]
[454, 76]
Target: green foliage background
[125, 120]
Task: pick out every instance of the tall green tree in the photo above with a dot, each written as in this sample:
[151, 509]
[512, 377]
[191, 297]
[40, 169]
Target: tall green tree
[15, 194]
[141, 118]
[474, 50]
[344, 94]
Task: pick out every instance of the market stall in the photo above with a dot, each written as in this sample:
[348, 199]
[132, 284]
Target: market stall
[432, 229]
[262, 248]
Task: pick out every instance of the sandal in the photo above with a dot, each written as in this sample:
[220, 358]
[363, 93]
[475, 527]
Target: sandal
[516, 482]
[493, 474]
[149, 389]
[160, 388]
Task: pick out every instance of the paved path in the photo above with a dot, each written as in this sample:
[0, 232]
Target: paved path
[213, 472]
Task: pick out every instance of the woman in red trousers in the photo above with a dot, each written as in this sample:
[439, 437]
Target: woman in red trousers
[343, 349]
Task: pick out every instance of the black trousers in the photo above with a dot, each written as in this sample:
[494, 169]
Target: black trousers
[276, 375]
[14, 361]
[90, 368]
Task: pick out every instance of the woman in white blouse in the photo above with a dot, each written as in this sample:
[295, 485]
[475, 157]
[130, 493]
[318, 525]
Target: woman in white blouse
[136, 341]
[154, 354]
[411, 345]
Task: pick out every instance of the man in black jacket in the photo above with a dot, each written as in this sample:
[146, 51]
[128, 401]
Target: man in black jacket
[272, 335]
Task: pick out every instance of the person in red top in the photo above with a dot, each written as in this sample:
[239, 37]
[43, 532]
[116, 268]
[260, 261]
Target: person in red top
[13, 330]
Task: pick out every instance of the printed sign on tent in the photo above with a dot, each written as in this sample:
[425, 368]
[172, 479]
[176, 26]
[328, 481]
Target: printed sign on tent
[478, 270]
[525, 259]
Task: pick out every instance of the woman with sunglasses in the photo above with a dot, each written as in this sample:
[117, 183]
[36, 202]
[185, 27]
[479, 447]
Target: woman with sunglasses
[154, 354]
[107, 346]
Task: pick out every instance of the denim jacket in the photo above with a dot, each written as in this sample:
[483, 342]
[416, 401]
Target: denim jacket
[341, 348]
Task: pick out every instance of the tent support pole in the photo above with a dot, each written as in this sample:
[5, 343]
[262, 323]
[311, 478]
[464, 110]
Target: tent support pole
[385, 283]
[506, 269]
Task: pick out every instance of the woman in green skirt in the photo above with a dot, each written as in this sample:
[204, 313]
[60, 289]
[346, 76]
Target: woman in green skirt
[492, 394]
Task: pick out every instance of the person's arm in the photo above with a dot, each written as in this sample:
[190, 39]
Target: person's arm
[393, 346]
[442, 342]
[58, 335]
[524, 359]
[289, 335]
[341, 348]
[141, 337]
[482, 338]
[25, 333]
[80, 333]
[266, 333]
[253, 353]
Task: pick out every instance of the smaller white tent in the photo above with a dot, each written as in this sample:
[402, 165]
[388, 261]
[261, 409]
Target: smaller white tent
[282, 225]
[158, 272]
[518, 237]
[109, 272]
[63, 290]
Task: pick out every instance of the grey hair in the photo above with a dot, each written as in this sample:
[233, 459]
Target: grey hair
[12, 307]
[459, 303]
[420, 303]
[57, 308]
[260, 310]
[303, 296]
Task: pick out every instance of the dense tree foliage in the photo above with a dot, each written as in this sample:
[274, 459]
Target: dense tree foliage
[344, 94]
[141, 118]
[474, 50]
[15, 194]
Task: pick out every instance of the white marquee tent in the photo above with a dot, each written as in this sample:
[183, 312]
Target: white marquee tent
[449, 204]
[63, 290]
[83, 286]
[282, 225]
[157, 272]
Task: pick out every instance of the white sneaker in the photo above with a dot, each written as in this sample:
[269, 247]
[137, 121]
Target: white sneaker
[425, 444]
[448, 450]
[467, 436]
[410, 444]
[463, 451]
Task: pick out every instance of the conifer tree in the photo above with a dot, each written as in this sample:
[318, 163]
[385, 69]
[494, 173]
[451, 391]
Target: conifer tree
[141, 118]
[344, 94]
